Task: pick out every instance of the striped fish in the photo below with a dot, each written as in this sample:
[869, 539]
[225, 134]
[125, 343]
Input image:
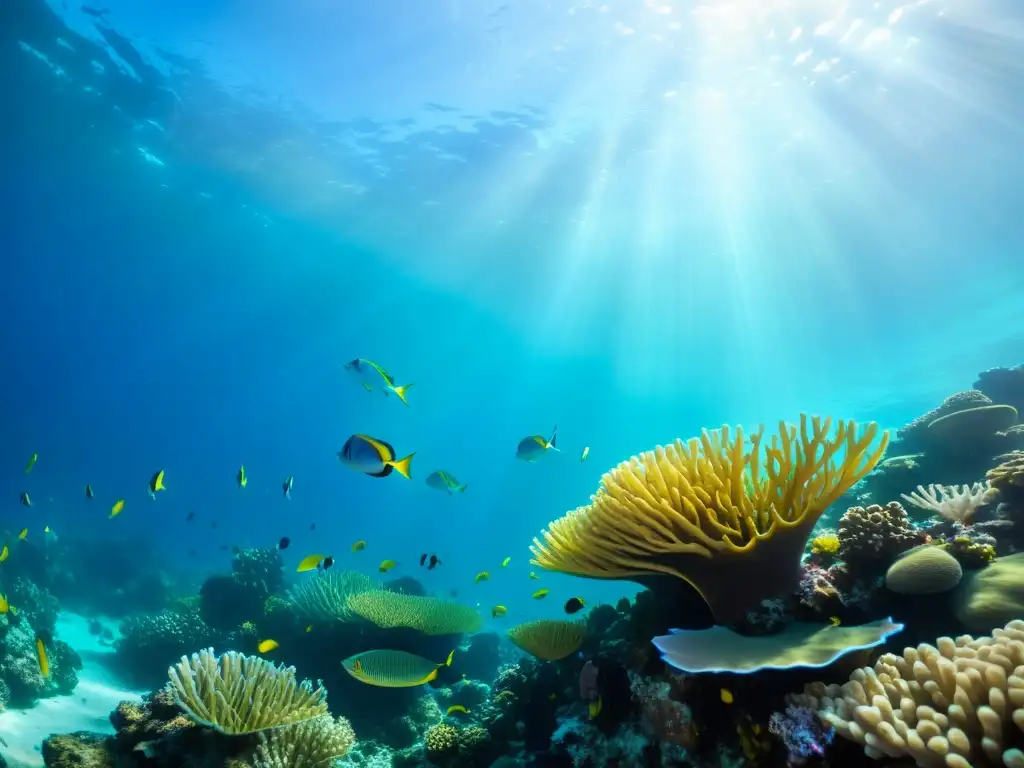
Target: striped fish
[393, 669]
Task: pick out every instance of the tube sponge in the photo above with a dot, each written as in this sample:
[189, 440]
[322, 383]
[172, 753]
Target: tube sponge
[728, 515]
[237, 694]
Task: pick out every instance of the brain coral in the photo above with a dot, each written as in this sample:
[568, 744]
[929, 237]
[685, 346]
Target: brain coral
[924, 570]
[959, 703]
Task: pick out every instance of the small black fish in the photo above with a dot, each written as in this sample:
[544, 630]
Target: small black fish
[328, 562]
[423, 558]
[434, 561]
[284, 542]
[190, 517]
[312, 526]
[574, 605]
[88, 492]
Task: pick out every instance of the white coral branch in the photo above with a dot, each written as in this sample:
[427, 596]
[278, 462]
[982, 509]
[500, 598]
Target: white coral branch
[955, 503]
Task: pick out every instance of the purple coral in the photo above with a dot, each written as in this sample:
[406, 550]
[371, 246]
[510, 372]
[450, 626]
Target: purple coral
[802, 731]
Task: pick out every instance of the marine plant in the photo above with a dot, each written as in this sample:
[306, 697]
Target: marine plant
[429, 615]
[723, 512]
[326, 598]
[237, 694]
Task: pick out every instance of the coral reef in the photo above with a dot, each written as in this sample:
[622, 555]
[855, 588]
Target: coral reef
[549, 639]
[149, 643]
[428, 615]
[872, 537]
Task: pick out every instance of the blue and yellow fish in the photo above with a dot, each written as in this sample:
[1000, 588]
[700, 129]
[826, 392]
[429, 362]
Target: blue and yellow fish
[533, 447]
[442, 481]
[373, 377]
[373, 457]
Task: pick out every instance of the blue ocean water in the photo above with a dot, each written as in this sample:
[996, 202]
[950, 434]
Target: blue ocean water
[631, 220]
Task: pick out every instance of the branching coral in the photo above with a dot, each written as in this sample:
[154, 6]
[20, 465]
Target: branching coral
[955, 503]
[325, 598]
[237, 694]
[945, 705]
[315, 743]
[429, 615]
[728, 515]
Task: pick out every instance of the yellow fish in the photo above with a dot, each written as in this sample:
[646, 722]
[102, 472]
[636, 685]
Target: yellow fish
[309, 563]
[23, 535]
[156, 482]
[386, 565]
[309, 628]
[24, 498]
[31, 462]
[835, 621]
[267, 645]
[4, 553]
[359, 546]
[727, 697]
[117, 509]
[374, 457]
[393, 669]
[540, 594]
[4, 605]
[586, 452]
[534, 575]
[533, 447]
[456, 708]
[505, 562]
[498, 611]
[482, 576]
[44, 663]
[371, 374]
[595, 708]
[240, 478]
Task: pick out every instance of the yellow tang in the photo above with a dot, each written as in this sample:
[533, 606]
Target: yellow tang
[31, 462]
[359, 546]
[482, 576]
[117, 509]
[540, 593]
[4, 605]
[5, 553]
[456, 708]
[156, 482]
[505, 562]
[44, 663]
[727, 697]
[267, 645]
[393, 669]
[24, 534]
[498, 611]
[240, 478]
[386, 565]
[309, 563]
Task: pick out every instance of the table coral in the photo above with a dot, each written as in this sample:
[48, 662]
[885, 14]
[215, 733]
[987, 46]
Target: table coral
[914, 434]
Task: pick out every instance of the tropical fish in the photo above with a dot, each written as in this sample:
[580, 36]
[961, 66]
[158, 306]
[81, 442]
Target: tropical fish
[267, 645]
[309, 563]
[4, 553]
[309, 627]
[835, 621]
[373, 457]
[505, 562]
[31, 462]
[44, 662]
[533, 447]
[240, 478]
[287, 486]
[482, 576]
[442, 481]
[4, 605]
[393, 669]
[540, 594]
[726, 696]
[386, 565]
[434, 561]
[534, 575]
[88, 491]
[586, 452]
[23, 535]
[456, 708]
[359, 546]
[498, 611]
[373, 376]
[284, 542]
[594, 709]
[118, 508]
[574, 605]
[24, 499]
[327, 563]
[156, 482]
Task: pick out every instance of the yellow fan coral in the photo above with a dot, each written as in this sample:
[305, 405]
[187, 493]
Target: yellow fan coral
[730, 517]
[426, 614]
[549, 639]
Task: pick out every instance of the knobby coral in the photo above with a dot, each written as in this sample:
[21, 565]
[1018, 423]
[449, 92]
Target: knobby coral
[730, 517]
[952, 502]
[868, 535]
[950, 704]
[238, 694]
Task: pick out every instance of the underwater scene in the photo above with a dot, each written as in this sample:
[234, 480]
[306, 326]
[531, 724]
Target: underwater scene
[549, 383]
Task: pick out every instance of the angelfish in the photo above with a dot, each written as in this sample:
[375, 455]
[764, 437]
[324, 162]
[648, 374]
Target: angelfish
[373, 376]
[533, 447]
[373, 457]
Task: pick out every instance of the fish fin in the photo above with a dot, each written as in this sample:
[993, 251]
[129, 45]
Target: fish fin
[595, 708]
[554, 436]
[462, 488]
[448, 661]
[384, 472]
[400, 391]
[403, 466]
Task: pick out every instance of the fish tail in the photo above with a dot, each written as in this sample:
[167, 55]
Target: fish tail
[448, 661]
[462, 488]
[554, 437]
[403, 466]
[400, 391]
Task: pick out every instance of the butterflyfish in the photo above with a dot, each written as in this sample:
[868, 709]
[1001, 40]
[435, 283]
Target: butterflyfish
[386, 565]
[156, 482]
[31, 462]
[25, 499]
[482, 576]
[540, 594]
[309, 563]
[586, 452]
[456, 709]
[533, 447]
[574, 605]
[286, 486]
[88, 491]
[443, 481]
[594, 709]
[23, 535]
[498, 611]
[373, 377]
[44, 662]
[118, 508]
[430, 560]
[267, 645]
[505, 562]
[240, 478]
[4, 553]
[393, 669]
[359, 546]
[373, 457]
